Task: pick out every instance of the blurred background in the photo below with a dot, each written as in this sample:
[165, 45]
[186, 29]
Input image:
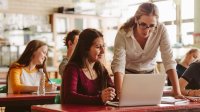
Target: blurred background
[50, 21]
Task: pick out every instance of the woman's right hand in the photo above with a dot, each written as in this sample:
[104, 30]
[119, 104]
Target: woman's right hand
[108, 94]
[51, 87]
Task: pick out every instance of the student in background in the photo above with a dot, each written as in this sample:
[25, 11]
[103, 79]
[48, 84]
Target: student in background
[24, 74]
[136, 45]
[70, 41]
[190, 80]
[190, 57]
[85, 79]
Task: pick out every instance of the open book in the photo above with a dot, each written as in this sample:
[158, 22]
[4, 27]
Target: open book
[172, 100]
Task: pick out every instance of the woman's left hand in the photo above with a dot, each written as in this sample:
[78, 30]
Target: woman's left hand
[180, 96]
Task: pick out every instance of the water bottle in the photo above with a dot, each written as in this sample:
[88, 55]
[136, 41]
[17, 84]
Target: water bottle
[41, 87]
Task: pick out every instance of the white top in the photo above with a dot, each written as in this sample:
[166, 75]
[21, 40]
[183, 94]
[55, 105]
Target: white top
[27, 78]
[129, 54]
[30, 79]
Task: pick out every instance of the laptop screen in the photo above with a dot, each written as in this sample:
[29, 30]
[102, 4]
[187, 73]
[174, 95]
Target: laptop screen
[142, 89]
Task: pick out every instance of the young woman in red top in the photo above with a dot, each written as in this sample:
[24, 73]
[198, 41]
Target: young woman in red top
[85, 80]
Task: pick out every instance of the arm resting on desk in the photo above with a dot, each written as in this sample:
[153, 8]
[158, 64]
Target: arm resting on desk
[17, 87]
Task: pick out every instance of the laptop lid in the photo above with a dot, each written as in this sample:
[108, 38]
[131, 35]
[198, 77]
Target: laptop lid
[142, 89]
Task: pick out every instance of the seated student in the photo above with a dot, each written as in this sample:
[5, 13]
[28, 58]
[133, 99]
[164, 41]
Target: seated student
[70, 41]
[24, 74]
[190, 80]
[190, 57]
[85, 79]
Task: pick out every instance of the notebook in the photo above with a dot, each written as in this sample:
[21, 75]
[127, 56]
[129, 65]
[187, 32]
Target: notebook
[172, 100]
[141, 89]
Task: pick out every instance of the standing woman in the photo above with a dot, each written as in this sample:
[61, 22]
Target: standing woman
[85, 80]
[136, 46]
[24, 75]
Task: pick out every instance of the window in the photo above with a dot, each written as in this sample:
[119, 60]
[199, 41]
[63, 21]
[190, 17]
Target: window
[187, 28]
[167, 10]
[187, 9]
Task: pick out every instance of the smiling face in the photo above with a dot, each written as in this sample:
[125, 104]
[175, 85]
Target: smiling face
[39, 55]
[145, 25]
[97, 50]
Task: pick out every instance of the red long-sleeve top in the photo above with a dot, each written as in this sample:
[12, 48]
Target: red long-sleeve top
[78, 89]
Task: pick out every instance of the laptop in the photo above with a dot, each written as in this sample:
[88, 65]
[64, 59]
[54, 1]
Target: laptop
[140, 90]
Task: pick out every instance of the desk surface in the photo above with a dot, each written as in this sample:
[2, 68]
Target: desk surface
[2, 81]
[25, 99]
[83, 108]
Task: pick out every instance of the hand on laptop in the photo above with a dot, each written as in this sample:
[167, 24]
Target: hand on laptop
[108, 94]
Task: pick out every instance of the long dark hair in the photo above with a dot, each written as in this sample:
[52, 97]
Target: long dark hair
[144, 9]
[86, 39]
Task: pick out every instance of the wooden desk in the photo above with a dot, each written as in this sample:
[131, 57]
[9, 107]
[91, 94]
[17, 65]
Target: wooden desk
[2, 81]
[3, 74]
[25, 99]
[84, 108]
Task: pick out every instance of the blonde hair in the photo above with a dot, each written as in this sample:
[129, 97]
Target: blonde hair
[192, 51]
[144, 9]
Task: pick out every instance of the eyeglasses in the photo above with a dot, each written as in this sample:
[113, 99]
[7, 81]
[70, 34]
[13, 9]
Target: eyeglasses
[144, 26]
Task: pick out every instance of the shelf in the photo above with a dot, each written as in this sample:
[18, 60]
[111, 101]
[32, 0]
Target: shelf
[62, 23]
